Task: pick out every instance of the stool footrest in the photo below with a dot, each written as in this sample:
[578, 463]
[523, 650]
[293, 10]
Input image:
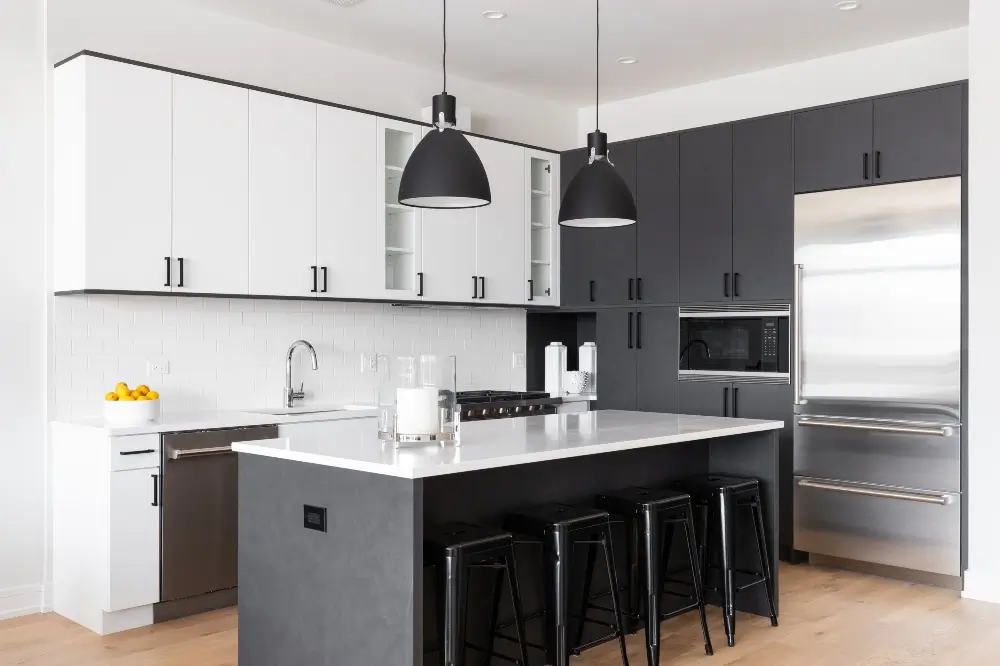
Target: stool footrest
[493, 655]
[505, 637]
[594, 643]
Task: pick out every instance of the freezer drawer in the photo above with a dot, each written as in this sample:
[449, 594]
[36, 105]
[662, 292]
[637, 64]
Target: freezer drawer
[918, 530]
[892, 453]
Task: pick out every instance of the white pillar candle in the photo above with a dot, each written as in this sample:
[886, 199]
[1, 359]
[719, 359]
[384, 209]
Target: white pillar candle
[417, 411]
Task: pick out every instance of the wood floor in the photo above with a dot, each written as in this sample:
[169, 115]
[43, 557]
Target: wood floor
[828, 618]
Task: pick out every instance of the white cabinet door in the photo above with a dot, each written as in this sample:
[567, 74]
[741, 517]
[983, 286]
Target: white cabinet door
[211, 219]
[542, 230]
[448, 255]
[398, 226]
[134, 573]
[347, 210]
[127, 173]
[500, 226]
[282, 195]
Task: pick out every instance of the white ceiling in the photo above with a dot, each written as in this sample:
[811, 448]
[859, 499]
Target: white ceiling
[545, 47]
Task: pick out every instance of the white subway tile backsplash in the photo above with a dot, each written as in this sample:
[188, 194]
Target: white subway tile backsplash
[229, 353]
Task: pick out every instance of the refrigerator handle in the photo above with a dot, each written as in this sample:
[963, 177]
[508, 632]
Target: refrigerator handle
[797, 339]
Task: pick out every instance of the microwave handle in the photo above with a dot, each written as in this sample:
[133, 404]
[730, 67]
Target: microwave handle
[797, 338]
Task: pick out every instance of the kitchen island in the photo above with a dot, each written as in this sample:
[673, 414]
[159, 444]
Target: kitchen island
[331, 524]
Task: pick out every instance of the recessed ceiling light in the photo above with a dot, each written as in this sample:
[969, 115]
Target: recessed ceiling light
[494, 15]
[627, 60]
[847, 5]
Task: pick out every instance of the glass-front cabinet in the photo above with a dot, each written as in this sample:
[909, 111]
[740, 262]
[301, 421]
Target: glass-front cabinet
[399, 225]
[542, 237]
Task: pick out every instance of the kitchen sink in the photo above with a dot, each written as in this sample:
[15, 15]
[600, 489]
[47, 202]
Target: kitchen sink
[311, 409]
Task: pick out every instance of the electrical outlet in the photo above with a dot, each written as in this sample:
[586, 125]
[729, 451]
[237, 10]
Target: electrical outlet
[159, 366]
[519, 360]
[369, 363]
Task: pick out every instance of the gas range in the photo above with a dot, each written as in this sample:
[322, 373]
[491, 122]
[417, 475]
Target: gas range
[489, 405]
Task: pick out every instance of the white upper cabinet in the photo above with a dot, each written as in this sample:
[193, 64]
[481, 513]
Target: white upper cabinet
[448, 259]
[398, 226]
[500, 226]
[282, 196]
[211, 218]
[112, 171]
[541, 220]
[347, 204]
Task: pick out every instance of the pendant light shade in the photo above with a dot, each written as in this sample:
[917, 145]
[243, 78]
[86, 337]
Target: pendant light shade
[444, 170]
[597, 196]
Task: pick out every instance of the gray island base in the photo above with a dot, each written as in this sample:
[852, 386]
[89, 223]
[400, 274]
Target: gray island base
[357, 594]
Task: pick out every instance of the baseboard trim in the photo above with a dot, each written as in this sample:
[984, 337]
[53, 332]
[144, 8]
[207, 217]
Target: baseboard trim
[19, 601]
[981, 587]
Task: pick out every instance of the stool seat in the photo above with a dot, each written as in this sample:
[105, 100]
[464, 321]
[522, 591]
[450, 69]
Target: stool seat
[537, 520]
[706, 485]
[633, 501]
[448, 538]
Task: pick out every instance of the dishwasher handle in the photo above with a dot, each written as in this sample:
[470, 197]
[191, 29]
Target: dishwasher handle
[178, 454]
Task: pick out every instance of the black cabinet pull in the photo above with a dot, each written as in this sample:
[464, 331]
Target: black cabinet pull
[482, 287]
[531, 290]
[180, 266]
[167, 283]
[638, 289]
[638, 331]
[736, 398]
[315, 280]
[156, 489]
[736, 285]
[591, 291]
[725, 285]
[475, 287]
[725, 401]
[631, 285]
[878, 164]
[136, 453]
[324, 279]
[420, 284]
[864, 167]
[630, 317]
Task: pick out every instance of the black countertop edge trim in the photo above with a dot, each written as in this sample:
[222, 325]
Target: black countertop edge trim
[137, 63]
[307, 299]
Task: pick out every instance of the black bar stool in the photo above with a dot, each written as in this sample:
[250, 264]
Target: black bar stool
[559, 528]
[650, 517]
[728, 493]
[454, 548]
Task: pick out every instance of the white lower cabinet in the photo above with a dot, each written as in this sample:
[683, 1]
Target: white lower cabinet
[134, 538]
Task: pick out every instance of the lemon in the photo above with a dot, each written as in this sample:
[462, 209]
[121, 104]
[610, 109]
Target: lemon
[152, 395]
[122, 391]
[135, 394]
[121, 384]
[127, 398]
[142, 397]
[111, 397]
[143, 389]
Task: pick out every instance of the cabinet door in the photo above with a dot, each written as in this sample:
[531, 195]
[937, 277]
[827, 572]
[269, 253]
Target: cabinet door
[706, 214]
[398, 226]
[282, 195]
[616, 384]
[126, 176]
[705, 398]
[542, 231]
[579, 251]
[211, 218]
[919, 135]
[500, 227]
[657, 230]
[656, 372]
[763, 209]
[134, 543]
[833, 147]
[612, 253]
[448, 255]
[346, 204]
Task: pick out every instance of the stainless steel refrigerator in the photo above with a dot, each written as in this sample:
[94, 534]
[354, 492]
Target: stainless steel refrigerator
[877, 375]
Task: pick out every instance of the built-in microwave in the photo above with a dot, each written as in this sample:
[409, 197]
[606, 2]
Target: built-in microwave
[716, 340]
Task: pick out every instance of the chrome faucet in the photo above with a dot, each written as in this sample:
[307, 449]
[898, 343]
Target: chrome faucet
[291, 395]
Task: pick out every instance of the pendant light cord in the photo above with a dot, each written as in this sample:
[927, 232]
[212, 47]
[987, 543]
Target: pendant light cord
[597, 67]
[444, 36]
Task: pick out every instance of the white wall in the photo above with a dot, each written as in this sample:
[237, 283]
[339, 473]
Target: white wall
[983, 577]
[190, 38]
[230, 354]
[912, 63]
[23, 295]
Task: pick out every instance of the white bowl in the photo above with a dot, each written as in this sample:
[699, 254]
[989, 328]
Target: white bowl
[131, 413]
[577, 381]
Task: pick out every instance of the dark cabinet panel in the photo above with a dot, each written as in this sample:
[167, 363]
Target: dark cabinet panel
[763, 209]
[833, 147]
[704, 398]
[576, 245]
[616, 333]
[657, 230]
[919, 135]
[706, 214]
[656, 368]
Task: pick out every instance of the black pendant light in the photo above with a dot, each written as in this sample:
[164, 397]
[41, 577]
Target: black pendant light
[597, 195]
[444, 170]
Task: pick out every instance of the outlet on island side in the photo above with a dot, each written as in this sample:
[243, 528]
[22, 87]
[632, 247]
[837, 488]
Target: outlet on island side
[518, 361]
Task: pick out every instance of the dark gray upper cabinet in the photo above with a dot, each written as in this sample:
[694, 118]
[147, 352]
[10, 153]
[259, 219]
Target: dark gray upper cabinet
[706, 214]
[616, 339]
[833, 147]
[919, 135]
[704, 398]
[576, 244]
[657, 229]
[656, 351]
[763, 209]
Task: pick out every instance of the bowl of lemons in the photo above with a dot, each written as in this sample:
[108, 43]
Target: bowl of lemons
[131, 407]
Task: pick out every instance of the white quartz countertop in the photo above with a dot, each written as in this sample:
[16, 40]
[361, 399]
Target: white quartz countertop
[355, 445]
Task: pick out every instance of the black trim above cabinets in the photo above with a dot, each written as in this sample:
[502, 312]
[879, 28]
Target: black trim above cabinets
[247, 86]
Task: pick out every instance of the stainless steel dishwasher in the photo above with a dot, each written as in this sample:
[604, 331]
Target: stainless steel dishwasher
[198, 514]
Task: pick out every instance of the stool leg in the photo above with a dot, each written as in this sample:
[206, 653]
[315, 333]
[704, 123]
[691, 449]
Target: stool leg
[729, 590]
[609, 559]
[704, 540]
[453, 587]
[495, 616]
[651, 573]
[632, 574]
[557, 568]
[765, 561]
[699, 589]
[515, 599]
[588, 578]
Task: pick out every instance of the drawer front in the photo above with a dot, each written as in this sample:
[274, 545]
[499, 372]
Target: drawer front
[884, 525]
[134, 452]
[883, 453]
